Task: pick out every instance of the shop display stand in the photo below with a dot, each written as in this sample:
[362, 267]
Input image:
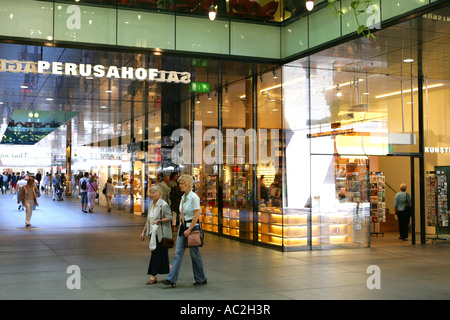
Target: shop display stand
[436, 201]
[377, 200]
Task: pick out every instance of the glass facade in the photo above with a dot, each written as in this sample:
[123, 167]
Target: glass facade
[300, 156]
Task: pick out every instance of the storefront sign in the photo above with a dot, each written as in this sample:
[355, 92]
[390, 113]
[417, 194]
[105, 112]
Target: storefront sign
[200, 87]
[98, 71]
[437, 149]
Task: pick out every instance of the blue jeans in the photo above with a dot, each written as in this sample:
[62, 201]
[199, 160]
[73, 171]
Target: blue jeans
[196, 258]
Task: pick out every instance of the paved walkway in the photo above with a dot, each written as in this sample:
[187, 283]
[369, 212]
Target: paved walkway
[113, 263]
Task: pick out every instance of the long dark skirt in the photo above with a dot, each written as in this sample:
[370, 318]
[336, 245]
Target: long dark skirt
[159, 260]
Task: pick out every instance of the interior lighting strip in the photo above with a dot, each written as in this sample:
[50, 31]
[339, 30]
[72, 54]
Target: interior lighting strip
[408, 90]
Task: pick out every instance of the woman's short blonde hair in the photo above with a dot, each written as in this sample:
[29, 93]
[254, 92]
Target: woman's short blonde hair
[403, 186]
[155, 188]
[187, 179]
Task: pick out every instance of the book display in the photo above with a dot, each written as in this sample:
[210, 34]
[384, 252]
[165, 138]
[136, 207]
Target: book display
[437, 206]
[377, 191]
[377, 197]
[237, 202]
[209, 210]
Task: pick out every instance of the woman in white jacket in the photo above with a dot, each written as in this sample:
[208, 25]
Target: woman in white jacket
[157, 226]
[109, 193]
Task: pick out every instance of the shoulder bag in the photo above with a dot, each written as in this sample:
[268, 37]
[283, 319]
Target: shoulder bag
[195, 238]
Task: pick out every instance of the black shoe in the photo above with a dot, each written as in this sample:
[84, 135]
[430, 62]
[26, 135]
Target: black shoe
[169, 283]
[200, 283]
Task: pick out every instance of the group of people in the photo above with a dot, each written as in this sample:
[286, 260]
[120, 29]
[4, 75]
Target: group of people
[89, 188]
[9, 180]
[159, 226]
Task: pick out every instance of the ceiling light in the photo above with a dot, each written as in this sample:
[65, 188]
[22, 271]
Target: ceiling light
[103, 107]
[24, 87]
[275, 76]
[209, 112]
[212, 12]
[309, 5]
[338, 91]
[49, 99]
[408, 60]
[108, 91]
[408, 90]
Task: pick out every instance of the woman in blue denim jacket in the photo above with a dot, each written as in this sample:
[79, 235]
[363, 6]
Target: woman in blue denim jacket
[189, 220]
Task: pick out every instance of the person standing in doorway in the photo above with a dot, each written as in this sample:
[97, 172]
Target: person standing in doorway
[83, 192]
[189, 220]
[28, 197]
[402, 207]
[92, 188]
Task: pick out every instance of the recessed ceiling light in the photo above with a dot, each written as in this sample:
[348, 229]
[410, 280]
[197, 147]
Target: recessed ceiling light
[49, 99]
[24, 87]
[209, 112]
[103, 107]
[408, 60]
[108, 91]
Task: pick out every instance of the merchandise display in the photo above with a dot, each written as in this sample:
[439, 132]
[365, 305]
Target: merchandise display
[377, 197]
[436, 195]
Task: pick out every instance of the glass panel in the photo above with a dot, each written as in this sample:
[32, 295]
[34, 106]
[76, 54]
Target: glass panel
[340, 206]
[246, 40]
[85, 24]
[371, 17]
[323, 28]
[202, 35]
[393, 8]
[239, 142]
[269, 169]
[133, 30]
[294, 38]
[28, 19]
[297, 204]
[206, 117]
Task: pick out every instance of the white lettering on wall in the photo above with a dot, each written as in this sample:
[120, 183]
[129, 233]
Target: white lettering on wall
[99, 71]
[74, 20]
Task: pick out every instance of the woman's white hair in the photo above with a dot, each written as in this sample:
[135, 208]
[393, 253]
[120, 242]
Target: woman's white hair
[187, 179]
[156, 188]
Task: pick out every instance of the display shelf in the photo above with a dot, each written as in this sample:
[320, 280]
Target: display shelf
[209, 218]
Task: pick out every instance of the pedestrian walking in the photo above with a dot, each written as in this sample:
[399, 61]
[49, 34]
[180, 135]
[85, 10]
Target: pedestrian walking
[92, 188]
[109, 192]
[157, 226]
[189, 221]
[28, 197]
[83, 192]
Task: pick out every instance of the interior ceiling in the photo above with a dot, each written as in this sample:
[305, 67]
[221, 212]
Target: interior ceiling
[100, 113]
